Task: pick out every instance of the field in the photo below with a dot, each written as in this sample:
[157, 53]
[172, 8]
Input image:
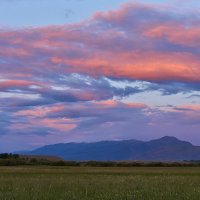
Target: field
[93, 183]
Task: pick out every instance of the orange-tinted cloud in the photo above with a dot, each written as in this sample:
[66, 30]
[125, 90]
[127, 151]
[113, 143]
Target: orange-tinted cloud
[176, 34]
[134, 42]
[39, 111]
[4, 84]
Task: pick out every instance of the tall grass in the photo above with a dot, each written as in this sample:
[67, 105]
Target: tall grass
[92, 183]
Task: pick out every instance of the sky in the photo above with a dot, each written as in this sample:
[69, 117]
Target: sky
[86, 71]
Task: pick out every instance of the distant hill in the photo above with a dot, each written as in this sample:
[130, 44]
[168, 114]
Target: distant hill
[163, 149]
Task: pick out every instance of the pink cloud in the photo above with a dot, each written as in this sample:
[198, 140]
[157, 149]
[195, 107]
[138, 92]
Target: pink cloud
[114, 104]
[40, 111]
[122, 44]
[68, 70]
[15, 83]
[177, 34]
[137, 65]
[191, 107]
[62, 125]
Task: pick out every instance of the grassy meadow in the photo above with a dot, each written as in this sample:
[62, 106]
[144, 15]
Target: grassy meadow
[98, 183]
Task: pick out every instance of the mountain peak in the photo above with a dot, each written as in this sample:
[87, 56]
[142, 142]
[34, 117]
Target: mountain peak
[168, 140]
[167, 148]
[171, 138]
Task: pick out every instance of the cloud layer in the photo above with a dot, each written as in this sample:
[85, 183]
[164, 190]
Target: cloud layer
[135, 42]
[72, 82]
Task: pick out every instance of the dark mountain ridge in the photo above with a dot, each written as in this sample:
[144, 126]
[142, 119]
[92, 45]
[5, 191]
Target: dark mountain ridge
[163, 149]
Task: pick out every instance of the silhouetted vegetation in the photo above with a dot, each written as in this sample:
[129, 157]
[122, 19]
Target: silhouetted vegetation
[15, 159]
[8, 156]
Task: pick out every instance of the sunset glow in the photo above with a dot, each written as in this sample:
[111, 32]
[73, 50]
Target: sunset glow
[99, 76]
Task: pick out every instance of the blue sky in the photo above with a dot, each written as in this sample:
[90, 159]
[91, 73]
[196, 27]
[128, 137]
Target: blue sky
[20, 13]
[45, 12]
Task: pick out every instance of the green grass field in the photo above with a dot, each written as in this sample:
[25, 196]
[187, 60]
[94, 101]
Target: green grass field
[92, 183]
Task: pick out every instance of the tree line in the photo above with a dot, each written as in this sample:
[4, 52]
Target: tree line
[8, 159]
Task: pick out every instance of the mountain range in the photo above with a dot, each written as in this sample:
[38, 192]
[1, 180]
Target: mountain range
[163, 149]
